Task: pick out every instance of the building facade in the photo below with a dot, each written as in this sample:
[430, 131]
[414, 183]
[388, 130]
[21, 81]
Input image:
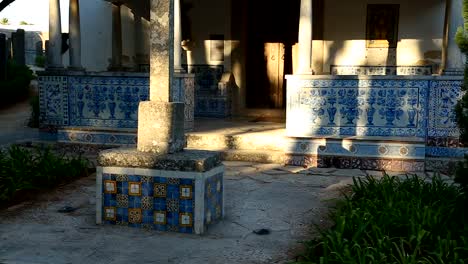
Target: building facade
[369, 83]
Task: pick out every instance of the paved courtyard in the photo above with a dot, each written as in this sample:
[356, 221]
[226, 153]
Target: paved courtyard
[287, 201]
[284, 200]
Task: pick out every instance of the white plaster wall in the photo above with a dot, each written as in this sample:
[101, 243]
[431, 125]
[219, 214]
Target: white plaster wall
[420, 31]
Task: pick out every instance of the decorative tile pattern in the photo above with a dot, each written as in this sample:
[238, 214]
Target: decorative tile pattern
[213, 199]
[444, 95]
[104, 101]
[357, 108]
[157, 202]
[356, 163]
[53, 101]
[356, 148]
[97, 137]
[380, 70]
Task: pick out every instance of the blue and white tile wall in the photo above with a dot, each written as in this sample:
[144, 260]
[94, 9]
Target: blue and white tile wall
[53, 100]
[110, 102]
[419, 109]
[104, 104]
[356, 107]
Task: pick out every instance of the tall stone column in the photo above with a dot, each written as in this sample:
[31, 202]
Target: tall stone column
[55, 36]
[75, 35]
[305, 37]
[177, 38]
[160, 121]
[452, 57]
[116, 63]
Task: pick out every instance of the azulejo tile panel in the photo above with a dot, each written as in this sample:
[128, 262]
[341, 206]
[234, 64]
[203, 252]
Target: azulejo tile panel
[53, 101]
[106, 101]
[214, 199]
[164, 204]
[444, 95]
[356, 148]
[357, 107]
[380, 70]
[96, 137]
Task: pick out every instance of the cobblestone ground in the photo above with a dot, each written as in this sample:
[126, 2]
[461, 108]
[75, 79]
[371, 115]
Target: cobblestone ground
[285, 200]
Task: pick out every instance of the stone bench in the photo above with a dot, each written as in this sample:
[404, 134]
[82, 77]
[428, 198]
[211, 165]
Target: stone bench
[181, 192]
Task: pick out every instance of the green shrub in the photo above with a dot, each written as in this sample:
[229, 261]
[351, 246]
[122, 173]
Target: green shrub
[40, 61]
[396, 221]
[22, 170]
[16, 85]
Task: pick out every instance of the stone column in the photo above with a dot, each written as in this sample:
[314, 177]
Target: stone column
[177, 38]
[305, 37]
[75, 35]
[160, 121]
[116, 63]
[55, 36]
[452, 57]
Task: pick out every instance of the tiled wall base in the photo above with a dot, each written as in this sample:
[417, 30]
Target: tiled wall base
[443, 165]
[184, 202]
[367, 147]
[363, 163]
[102, 137]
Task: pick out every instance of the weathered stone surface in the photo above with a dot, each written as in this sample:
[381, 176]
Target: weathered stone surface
[161, 127]
[162, 49]
[188, 160]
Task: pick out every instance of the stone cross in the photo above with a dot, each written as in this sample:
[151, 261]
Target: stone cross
[160, 121]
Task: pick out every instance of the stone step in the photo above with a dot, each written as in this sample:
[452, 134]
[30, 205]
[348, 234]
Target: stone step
[244, 141]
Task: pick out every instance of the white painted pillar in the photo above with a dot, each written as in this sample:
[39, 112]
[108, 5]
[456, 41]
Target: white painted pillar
[177, 38]
[116, 63]
[54, 60]
[75, 35]
[452, 57]
[305, 38]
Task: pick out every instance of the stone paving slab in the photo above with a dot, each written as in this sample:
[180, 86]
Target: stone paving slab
[287, 204]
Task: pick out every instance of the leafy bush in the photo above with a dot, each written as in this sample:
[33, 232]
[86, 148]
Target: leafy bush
[23, 170]
[40, 61]
[16, 85]
[396, 221]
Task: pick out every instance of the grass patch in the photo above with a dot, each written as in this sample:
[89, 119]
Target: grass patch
[392, 220]
[24, 171]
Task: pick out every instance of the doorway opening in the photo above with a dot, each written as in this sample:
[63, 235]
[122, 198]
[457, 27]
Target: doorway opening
[272, 30]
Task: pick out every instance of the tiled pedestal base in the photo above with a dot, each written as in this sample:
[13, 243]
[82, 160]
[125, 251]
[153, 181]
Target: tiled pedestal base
[186, 201]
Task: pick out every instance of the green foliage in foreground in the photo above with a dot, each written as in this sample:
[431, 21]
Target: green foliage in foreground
[396, 221]
[22, 170]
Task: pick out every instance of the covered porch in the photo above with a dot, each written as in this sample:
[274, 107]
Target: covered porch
[337, 110]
